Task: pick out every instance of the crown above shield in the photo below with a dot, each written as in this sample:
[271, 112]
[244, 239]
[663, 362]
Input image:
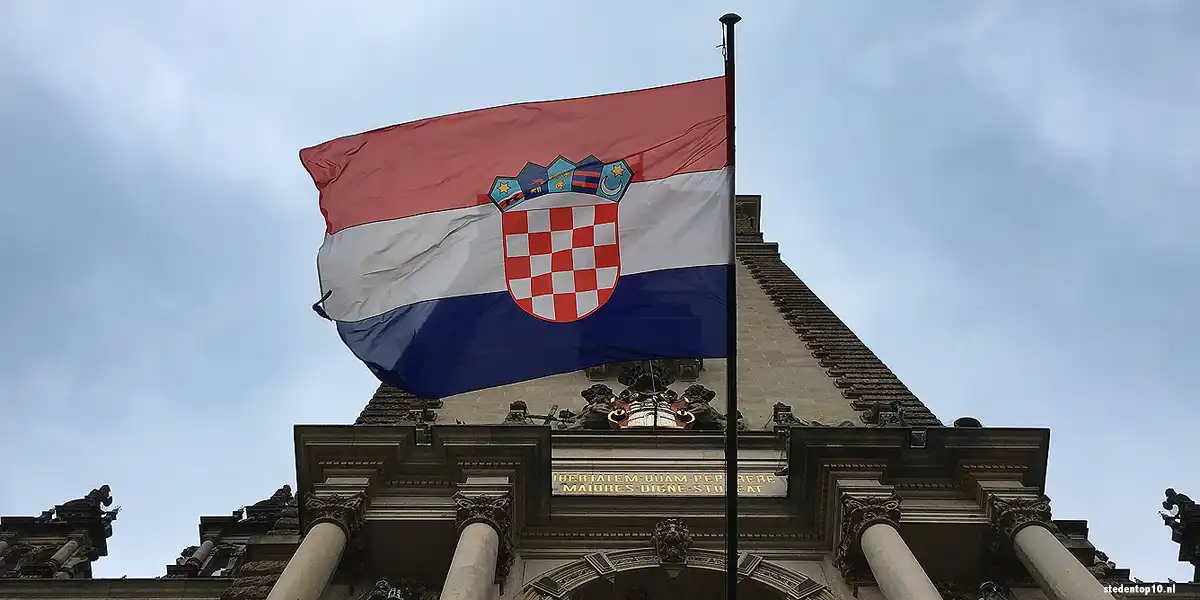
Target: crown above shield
[588, 176]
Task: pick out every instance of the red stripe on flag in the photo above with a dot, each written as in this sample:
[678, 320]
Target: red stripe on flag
[449, 162]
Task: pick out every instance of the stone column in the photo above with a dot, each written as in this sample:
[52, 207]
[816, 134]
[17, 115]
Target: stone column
[1023, 524]
[484, 524]
[201, 554]
[64, 553]
[870, 541]
[333, 521]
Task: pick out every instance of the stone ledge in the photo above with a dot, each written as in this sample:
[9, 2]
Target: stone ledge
[142, 589]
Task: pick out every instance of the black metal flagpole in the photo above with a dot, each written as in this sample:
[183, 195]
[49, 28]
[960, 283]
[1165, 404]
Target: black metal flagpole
[731, 420]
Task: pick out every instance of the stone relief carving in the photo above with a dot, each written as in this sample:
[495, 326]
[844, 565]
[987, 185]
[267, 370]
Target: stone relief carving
[672, 541]
[344, 511]
[859, 513]
[1011, 515]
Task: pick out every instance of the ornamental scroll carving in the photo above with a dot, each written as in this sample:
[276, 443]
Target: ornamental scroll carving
[859, 513]
[495, 511]
[672, 541]
[344, 511]
[1011, 515]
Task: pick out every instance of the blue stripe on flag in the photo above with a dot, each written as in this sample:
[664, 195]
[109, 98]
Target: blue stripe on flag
[449, 346]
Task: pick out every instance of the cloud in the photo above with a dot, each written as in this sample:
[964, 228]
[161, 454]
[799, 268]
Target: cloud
[998, 198]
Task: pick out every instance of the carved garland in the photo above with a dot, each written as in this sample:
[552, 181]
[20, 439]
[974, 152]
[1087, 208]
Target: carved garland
[859, 513]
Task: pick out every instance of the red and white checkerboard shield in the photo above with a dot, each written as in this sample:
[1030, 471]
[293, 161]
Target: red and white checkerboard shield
[562, 263]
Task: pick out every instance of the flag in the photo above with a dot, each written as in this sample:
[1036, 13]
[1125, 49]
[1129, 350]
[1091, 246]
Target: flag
[505, 244]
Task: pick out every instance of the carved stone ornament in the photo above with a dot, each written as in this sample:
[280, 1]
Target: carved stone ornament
[267, 511]
[1102, 567]
[782, 416]
[1011, 515]
[185, 554]
[87, 506]
[402, 589]
[698, 399]
[672, 541]
[344, 511]
[859, 513]
[495, 511]
[990, 590]
[518, 414]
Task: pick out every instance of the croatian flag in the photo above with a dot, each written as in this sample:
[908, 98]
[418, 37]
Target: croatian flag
[506, 244]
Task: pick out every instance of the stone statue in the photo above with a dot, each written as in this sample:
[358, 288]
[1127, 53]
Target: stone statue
[1181, 504]
[279, 498]
[599, 398]
[90, 505]
[699, 403]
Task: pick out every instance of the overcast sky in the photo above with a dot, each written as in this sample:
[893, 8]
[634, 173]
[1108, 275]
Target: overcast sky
[1000, 198]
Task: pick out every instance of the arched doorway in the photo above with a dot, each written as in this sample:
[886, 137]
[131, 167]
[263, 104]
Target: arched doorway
[637, 574]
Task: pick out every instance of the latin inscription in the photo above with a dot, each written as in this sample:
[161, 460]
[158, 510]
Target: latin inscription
[659, 483]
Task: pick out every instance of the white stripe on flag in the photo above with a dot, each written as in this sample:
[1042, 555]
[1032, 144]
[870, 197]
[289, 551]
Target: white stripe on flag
[682, 221]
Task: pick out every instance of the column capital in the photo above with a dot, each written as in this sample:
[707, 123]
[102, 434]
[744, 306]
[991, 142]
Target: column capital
[1009, 516]
[858, 513]
[494, 511]
[345, 511]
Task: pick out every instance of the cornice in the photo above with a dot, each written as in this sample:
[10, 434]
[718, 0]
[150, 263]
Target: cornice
[948, 453]
[42, 589]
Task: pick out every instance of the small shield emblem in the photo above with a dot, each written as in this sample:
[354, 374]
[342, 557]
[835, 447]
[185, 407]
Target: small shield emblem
[562, 263]
[562, 255]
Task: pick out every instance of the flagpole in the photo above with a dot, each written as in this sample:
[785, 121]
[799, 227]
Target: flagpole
[731, 420]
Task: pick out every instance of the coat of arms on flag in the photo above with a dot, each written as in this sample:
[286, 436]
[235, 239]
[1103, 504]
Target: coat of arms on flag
[562, 254]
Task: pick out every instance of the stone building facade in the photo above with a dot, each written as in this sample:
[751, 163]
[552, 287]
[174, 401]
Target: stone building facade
[607, 484]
